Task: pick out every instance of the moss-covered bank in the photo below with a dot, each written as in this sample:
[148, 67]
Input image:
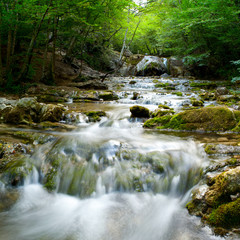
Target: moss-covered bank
[206, 119]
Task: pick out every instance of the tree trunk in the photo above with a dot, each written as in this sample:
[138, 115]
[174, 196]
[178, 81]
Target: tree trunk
[134, 32]
[123, 46]
[14, 38]
[45, 53]
[53, 64]
[9, 49]
[69, 50]
[27, 61]
[124, 41]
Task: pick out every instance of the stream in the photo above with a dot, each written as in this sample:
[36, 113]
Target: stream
[114, 180]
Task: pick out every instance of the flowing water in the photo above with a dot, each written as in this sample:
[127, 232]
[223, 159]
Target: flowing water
[113, 180]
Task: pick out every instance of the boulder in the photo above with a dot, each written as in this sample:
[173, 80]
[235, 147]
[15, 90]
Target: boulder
[219, 202]
[108, 96]
[139, 112]
[151, 66]
[221, 91]
[95, 116]
[204, 119]
[28, 111]
[176, 67]
[51, 113]
[225, 98]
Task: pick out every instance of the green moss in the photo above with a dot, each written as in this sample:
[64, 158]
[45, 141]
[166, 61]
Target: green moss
[176, 122]
[163, 106]
[210, 149]
[209, 119]
[161, 113]
[161, 85]
[179, 94]
[157, 121]
[196, 103]
[170, 88]
[95, 116]
[226, 215]
[134, 59]
[108, 96]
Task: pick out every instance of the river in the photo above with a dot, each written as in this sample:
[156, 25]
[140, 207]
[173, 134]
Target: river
[115, 180]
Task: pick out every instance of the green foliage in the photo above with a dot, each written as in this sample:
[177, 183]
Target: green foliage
[205, 33]
[236, 79]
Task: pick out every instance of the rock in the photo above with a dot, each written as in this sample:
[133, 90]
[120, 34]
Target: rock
[91, 84]
[159, 112]
[95, 116]
[139, 112]
[204, 119]
[165, 75]
[219, 203]
[225, 98]
[226, 184]
[176, 67]
[51, 113]
[132, 82]
[197, 103]
[17, 116]
[207, 96]
[135, 96]
[221, 91]
[28, 103]
[108, 96]
[150, 66]
[28, 111]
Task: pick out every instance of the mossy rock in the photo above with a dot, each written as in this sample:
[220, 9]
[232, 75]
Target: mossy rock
[95, 116]
[132, 82]
[210, 149]
[205, 119]
[225, 184]
[52, 113]
[51, 99]
[13, 169]
[197, 103]
[108, 96]
[157, 121]
[139, 112]
[179, 94]
[18, 116]
[226, 215]
[207, 96]
[164, 106]
[206, 85]
[161, 85]
[162, 112]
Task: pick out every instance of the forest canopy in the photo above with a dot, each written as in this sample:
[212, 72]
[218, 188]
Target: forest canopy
[204, 33]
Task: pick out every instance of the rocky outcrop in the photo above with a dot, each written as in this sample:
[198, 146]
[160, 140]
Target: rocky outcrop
[28, 110]
[218, 201]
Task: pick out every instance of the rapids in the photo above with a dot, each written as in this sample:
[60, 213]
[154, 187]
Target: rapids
[114, 180]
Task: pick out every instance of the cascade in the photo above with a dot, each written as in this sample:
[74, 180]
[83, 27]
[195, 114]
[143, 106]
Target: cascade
[111, 180]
